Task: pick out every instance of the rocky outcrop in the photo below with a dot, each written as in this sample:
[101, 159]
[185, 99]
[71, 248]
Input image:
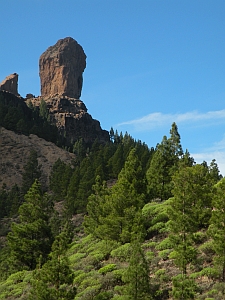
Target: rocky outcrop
[72, 119]
[61, 69]
[14, 153]
[61, 73]
[10, 84]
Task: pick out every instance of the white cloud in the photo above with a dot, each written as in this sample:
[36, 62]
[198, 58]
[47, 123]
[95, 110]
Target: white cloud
[156, 120]
[217, 152]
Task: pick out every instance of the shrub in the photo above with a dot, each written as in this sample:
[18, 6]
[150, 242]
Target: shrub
[107, 268]
[122, 253]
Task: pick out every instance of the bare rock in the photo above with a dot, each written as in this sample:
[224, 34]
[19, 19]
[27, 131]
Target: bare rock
[72, 119]
[10, 84]
[61, 69]
[14, 153]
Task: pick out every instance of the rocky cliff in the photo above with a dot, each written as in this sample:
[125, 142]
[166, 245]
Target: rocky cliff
[61, 73]
[72, 119]
[61, 69]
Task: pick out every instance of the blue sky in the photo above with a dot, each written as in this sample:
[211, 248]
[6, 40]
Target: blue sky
[149, 63]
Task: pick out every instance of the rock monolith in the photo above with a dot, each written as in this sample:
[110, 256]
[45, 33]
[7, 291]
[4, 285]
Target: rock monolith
[61, 69]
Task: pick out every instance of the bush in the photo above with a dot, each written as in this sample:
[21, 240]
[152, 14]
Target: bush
[107, 268]
[164, 254]
[165, 244]
[122, 253]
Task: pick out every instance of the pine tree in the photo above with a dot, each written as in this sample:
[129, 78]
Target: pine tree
[32, 171]
[31, 237]
[214, 171]
[14, 199]
[216, 229]
[190, 210]
[60, 179]
[184, 288]
[71, 197]
[163, 165]
[79, 149]
[186, 160]
[137, 275]
[95, 206]
[55, 279]
[43, 109]
[117, 161]
[120, 208]
[87, 180]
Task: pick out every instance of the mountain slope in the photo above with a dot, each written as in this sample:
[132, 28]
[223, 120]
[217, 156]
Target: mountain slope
[15, 149]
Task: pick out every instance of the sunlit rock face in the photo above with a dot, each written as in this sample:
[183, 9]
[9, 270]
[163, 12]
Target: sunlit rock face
[61, 69]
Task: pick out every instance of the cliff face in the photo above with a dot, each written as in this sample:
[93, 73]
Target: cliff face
[61, 69]
[72, 119]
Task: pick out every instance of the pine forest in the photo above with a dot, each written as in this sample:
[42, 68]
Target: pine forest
[122, 221]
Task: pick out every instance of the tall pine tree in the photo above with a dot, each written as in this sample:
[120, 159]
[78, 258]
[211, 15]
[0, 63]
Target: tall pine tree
[55, 279]
[31, 237]
[163, 165]
[137, 275]
[216, 229]
[119, 209]
[190, 210]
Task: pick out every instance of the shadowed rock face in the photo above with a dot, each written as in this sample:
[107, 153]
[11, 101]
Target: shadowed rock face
[72, 119]
[61, 69]
[10, 84]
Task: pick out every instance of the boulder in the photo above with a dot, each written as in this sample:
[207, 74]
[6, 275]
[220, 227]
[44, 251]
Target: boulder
[10, 84]
[61, 69]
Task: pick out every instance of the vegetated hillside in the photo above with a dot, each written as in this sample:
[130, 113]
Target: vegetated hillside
[156, 233]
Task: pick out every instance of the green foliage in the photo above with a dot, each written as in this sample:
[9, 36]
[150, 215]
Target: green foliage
[107, 268]
[60, 178]
[17, 116]
[123, 252]
[137, 275]
[183, 288]
[165, 244]
[43, 109]
[209, 272]
[32, 172]
[189, 210]
[116, 214]
[161, 275]
[163, 165]
[95, 206]
[155, 217]
[31, 237]
[217, 227]
[15, 285]
[164, 254]
[55, 279]
[112, 262]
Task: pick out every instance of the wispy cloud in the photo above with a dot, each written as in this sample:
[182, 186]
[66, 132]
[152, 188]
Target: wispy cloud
[158, 119]
[217, 152]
